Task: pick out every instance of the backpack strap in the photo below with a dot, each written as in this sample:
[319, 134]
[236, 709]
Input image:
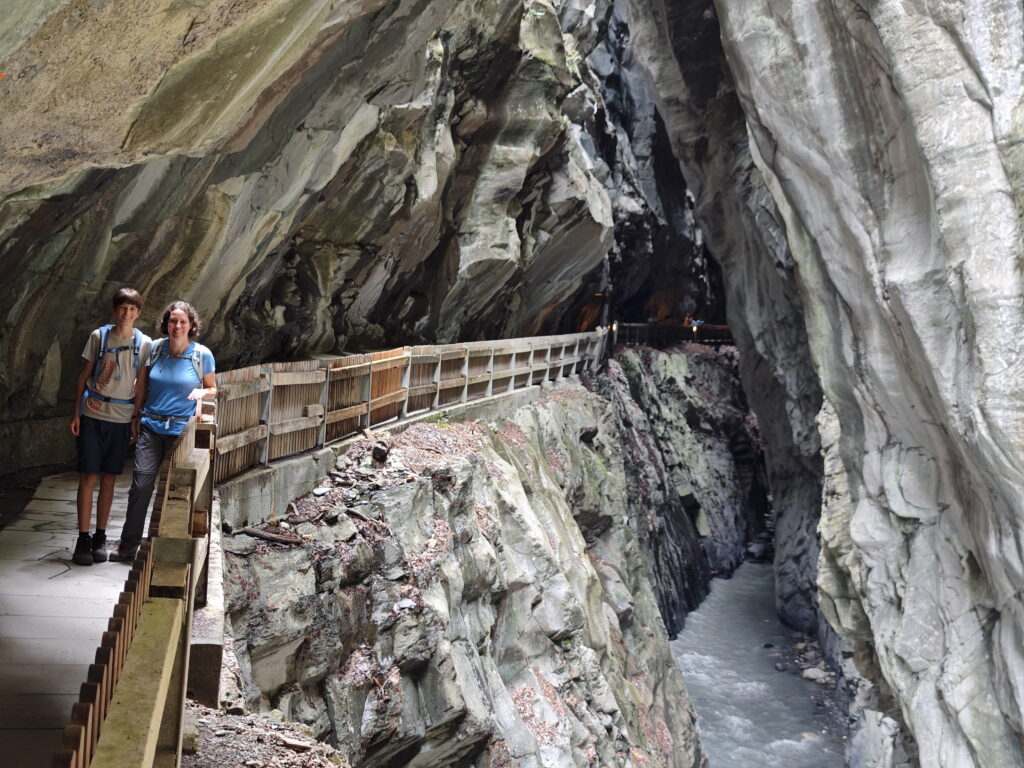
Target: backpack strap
[104, 334]
[160, 349]
[136, 346]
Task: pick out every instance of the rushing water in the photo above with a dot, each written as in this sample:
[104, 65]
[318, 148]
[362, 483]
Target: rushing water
[751, 715]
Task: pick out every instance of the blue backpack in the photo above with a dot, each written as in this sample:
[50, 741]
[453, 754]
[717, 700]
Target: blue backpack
[135, 346]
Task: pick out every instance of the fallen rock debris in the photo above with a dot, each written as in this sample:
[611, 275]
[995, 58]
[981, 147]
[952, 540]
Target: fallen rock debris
[221, 740]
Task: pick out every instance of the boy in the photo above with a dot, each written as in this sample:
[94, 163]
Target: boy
[104, 406]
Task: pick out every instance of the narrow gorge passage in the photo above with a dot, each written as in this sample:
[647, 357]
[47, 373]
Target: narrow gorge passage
[751, 713]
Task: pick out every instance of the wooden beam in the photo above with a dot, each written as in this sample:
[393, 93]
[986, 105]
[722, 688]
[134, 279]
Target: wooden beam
[234, 391]
[231, 442]
[359, 409]
[292, 425]
[169, 580]
[423, 389]
[392, 362]
[292, 378]
[348, 372]
[388, 399]
[459, 381]
[132, 727]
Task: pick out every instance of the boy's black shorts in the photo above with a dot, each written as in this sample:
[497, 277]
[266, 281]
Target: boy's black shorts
[102, 446]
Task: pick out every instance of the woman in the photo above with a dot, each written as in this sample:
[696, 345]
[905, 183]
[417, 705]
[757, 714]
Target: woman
[178, 374]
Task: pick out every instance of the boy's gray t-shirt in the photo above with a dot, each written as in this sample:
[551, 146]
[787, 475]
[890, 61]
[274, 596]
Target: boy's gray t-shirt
[115, 376]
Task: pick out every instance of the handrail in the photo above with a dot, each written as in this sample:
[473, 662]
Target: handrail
[272, 411]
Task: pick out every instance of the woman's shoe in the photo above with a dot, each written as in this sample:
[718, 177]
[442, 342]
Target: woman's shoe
[124, 554]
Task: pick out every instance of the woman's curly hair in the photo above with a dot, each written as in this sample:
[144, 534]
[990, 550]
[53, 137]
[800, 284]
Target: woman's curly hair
[190, 311]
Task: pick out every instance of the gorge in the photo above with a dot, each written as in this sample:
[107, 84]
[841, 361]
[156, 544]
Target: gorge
[838, 181]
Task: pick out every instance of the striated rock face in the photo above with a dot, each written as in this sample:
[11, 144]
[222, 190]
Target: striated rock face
[666, 514]
[696, 97]
[890, 134]
[706, 441]
[322, 176]
[482, 598]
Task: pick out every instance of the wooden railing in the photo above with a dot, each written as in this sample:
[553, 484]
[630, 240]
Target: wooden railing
[268, 412]
[130, 709]
[655, 334]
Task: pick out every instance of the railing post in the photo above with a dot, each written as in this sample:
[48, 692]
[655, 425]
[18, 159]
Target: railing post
[465, 375]
[437, 379]
[366, 418]
[490, 371]
[406, 383]
[324, 399]
[268, 404]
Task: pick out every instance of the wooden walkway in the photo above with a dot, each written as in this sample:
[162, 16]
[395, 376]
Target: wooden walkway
[51, 614]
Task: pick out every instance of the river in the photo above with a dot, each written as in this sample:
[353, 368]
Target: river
[751, 715]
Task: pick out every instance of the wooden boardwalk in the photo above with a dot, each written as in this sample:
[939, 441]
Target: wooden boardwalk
[51, 615]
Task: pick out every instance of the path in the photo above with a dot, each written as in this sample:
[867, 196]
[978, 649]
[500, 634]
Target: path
[52, 616]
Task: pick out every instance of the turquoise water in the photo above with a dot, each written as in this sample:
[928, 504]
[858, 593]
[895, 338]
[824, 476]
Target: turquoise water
[750, 714]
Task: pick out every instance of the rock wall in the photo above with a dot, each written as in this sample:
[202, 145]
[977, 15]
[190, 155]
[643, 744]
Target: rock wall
[323, 176]
[706, 440]
[696, 97]
[482, 597]
[890, 136]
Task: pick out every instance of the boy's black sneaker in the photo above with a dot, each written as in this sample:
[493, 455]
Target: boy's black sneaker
[99, 548]
[83, 551]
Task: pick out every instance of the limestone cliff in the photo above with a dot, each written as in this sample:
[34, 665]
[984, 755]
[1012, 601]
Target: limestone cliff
[480, 598]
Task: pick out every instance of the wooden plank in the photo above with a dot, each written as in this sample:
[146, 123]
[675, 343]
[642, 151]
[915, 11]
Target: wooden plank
[391, 362]
[313, 411]
[293, 425]
[227, 443]
[359, 409]
[393, 397]
[451, 353]
[450, 383]
[483, 352]
[425, 389]
[132, 726]
[292, 378]
[229, 392]
[337, 374]
[478, 379]
[175, 518]
[169, 580]
[430, 359]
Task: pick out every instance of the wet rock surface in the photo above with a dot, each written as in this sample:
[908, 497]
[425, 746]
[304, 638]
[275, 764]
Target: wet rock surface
[481, 597]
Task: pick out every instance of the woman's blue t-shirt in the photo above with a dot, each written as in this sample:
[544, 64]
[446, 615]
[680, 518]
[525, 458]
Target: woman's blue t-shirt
[171, 379]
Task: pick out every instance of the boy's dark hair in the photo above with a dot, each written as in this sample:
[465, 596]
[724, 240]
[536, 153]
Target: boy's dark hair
[127, 296]
[188, 309]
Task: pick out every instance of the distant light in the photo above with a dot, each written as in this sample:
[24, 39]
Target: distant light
[599, 294]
